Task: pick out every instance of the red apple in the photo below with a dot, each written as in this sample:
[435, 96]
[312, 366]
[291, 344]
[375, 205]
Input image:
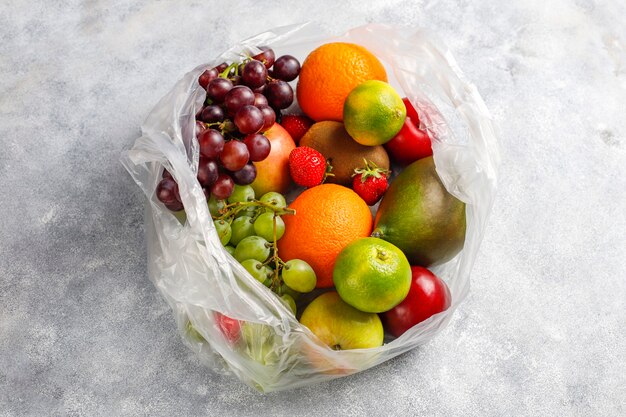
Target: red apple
[411, 143]
[428, 295]
[272, 173]
[229, 327]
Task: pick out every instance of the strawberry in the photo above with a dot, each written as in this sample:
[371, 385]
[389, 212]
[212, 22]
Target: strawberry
[370, 183]
[296, 125]
[308, 167]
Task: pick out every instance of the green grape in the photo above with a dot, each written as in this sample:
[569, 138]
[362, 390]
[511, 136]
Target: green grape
[193, 333]
[241, 194]
[252, 247]
[284, 289]
[230, 249]
[275, 199]
[290, 302]
[181, 216]
[264, 226]
[248, 211]
[261, 343]
[269, 272]
[255, 268]
[242, 227]
[215, 205]
[223, 231]
[299, 276]
[267, 282]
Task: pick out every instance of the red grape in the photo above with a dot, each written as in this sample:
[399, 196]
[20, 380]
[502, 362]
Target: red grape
[223, 187]
[279, 94]
[200, 127]
[286, 68]
[167, 191]
[259, 90]
[249, 119]
[206, 192]
[218, 88]
[245, 175]
[236, 79]
[266, 56]
[221, 67]
[166, 174]
[175, 206]
[238, 97]
[207, 172]
[254, 74]
[207, 76]
[212, 114]
[258, 147]
[269, 117]
[260, 100]
[211, 143]
[235, 155]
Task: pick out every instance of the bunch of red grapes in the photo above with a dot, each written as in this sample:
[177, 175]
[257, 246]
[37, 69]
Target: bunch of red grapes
[243, 100]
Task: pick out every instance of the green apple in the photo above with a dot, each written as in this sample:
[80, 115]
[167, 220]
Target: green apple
[340, 325]
[260, 344]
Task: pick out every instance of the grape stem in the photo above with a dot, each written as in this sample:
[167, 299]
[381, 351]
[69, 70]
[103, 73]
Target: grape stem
[232, 209]
[229, 211]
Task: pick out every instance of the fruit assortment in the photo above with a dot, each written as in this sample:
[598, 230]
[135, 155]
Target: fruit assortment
[351, 142]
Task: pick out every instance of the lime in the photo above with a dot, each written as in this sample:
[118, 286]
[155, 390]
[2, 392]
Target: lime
[372, 275]
[373, 113]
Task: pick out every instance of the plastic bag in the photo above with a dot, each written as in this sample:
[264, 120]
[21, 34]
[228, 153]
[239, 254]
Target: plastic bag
[202, 283]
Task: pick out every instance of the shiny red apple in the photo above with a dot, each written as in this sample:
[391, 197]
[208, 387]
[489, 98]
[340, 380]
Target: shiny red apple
[428, 295]
[411, 143]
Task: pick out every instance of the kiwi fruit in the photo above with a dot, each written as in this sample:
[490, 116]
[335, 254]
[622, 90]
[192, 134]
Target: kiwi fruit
[344, 154]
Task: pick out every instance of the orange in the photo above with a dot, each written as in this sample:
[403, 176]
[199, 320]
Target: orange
[328, 75]
[328, 217]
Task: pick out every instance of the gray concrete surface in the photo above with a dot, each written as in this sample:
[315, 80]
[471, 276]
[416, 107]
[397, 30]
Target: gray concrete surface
[83, 331]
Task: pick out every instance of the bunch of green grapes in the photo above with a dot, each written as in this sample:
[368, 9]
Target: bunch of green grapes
[249, 229]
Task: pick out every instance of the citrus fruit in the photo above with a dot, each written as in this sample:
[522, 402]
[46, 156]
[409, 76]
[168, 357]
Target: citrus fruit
[328, 75]
[373, 113]
[372, 275]
[345, 155]
[328, 217]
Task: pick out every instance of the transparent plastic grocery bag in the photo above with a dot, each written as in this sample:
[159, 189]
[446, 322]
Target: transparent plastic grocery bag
[268, 348]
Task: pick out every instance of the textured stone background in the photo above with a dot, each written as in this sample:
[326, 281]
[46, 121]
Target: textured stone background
[83, 331]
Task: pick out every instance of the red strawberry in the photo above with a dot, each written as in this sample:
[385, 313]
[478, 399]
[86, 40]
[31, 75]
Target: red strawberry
[308, 167]
[370, 183]
[296, 125]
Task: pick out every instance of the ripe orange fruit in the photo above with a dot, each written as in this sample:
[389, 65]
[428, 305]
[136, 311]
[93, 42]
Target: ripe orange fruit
[328, 75]
[328, 217]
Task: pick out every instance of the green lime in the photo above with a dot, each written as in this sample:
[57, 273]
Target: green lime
[373, 113]
[372, 275]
